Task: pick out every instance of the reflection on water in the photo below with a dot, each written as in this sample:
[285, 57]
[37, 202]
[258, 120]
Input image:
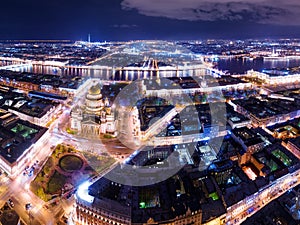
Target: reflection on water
[232, 65]
[55, 70]
[240, 65]
[108, 73]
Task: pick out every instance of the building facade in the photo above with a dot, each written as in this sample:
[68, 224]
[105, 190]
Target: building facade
[94, 117]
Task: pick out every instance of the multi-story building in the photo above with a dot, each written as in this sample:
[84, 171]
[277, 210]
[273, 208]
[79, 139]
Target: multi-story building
[40, 114]
[95, 116]
[294, 146]
[20, 142]
[275, 76]
[168, 202]
[265, 111]
[248, 139]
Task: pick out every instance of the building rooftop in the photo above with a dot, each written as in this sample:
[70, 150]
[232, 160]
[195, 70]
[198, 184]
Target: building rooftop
[290, 92]
[202, 121]
[271, 214]
[276, 160]
[247, 136]
[190, 82]
[286, 130]
[35, 107]
[295, 141]
[150, 109]
[235, 117]
[161, 201]
[111, 91]
[63, 81]
[16, 137]
[267, 107]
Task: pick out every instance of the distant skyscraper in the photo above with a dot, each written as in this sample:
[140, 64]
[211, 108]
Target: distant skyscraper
[89, 38]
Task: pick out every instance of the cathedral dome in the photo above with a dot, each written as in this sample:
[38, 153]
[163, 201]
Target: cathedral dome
[95, 90]
[94, 102]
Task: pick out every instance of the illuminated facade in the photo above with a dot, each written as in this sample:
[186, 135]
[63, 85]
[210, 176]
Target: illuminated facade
[203, 84]
[274, 77]
[41, 119]
[106, 211]
[267, 111]
[95, 116]
[20, 143]
[294, 146]
[14, 169]
[93, 216]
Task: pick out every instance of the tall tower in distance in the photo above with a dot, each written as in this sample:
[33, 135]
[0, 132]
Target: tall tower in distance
[89, 38]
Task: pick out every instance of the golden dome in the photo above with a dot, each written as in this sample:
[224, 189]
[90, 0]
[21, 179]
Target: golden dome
[95, 90]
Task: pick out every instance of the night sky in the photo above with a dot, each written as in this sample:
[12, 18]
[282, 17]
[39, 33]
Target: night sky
[149, 19]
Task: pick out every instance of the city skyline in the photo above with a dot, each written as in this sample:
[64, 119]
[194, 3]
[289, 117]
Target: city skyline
[150, 132]
[130, 19]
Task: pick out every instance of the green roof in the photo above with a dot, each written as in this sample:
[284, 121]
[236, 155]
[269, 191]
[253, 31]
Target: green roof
[214, 196]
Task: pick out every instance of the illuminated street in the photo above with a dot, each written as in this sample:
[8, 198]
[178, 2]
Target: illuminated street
[148, 132]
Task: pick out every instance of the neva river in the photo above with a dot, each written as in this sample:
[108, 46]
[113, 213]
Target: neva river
[240, 66]
[231, 65]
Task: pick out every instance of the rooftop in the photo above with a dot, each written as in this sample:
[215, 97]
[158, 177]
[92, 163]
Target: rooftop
[151, 109]
[162, 201]
[35, 107]
[248, 136]
[16, 137]
[267, 107]
[63, 81]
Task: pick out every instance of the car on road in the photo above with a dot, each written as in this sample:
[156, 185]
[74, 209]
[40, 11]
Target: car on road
[28, 206]
[30, 173]
[10, 203]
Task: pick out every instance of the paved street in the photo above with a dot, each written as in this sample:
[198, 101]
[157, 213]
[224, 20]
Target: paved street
[262, 198]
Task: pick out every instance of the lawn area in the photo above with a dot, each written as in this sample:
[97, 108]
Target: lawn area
[48, 181]
[56, 183]
[98, 162]
[69, 131]
[60, 168]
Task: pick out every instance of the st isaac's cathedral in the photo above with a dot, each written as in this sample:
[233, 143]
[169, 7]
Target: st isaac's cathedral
[94, 117]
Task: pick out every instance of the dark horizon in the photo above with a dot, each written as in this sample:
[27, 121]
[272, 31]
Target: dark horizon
[121, 20]
[55, 39]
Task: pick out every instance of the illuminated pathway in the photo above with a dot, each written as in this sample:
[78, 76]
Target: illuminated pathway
[20, 194]
[239, 212]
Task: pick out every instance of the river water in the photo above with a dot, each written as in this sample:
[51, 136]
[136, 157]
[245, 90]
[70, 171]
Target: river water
[240, 66]
[232, 65]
